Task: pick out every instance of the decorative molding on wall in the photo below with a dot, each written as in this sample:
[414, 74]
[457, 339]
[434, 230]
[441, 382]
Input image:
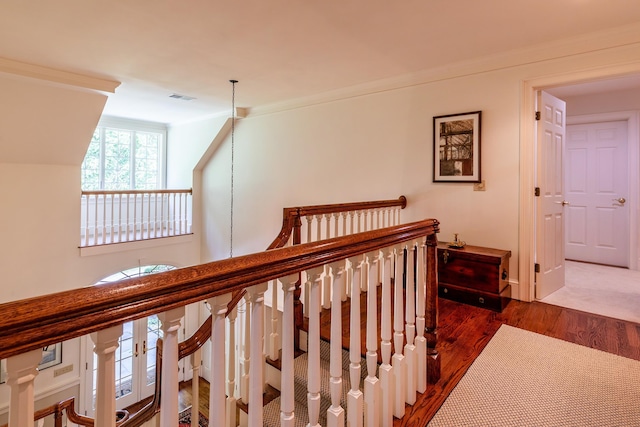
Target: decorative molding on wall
[57, 76]
[566, 48]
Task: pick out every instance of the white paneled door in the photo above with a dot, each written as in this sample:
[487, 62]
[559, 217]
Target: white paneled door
[550, 204]
[596, 186]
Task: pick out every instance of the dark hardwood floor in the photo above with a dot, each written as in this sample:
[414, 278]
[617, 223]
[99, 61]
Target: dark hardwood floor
[464, 331]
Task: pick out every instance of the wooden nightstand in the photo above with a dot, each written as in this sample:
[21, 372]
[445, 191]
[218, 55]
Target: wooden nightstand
[474, 275]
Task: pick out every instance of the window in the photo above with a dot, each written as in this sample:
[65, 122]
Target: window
[125, 155]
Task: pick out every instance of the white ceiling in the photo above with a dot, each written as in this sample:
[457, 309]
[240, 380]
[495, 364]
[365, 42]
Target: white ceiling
[279, 50]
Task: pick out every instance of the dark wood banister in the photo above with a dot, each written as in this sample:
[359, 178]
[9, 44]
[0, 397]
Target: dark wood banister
[327, 250]
[36, 322]
[292, 217]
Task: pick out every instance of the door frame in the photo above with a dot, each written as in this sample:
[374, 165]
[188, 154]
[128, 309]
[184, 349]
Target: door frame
[528, 145]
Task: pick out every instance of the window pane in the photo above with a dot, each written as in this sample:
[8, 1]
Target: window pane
[146, 163]
[91, 164]
[117, 159]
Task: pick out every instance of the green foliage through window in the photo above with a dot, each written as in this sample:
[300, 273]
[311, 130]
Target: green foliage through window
[123, 159]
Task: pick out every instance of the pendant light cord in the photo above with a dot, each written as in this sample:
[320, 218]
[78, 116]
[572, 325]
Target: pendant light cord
[233, 131]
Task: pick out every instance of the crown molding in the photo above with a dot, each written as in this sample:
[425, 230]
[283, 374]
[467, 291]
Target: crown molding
[619, 37]
[38, 72]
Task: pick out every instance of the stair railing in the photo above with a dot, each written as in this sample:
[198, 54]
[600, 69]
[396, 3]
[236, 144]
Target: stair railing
[324, 222]
[28, 325]
[130, 215]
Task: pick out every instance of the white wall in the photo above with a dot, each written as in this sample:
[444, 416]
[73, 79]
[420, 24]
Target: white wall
[379, 146]
[608, 102]
[45, 130]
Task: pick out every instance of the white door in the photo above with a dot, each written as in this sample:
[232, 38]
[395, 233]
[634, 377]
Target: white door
[135, 363]
[550, 203]
[597, 186]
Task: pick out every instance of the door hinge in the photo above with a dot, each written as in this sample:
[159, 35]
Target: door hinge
[537, 192]
[536, 267]
[537, 115]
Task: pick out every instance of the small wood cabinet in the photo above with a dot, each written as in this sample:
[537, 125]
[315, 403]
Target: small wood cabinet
[474, 275]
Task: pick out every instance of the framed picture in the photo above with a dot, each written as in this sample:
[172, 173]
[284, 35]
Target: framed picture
[456, 147]
[51, 356]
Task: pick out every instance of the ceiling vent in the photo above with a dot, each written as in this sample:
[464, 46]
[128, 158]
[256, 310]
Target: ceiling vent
[182, 97]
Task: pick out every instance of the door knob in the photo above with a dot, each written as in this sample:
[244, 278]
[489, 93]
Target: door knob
[563, 203]
[620, 200]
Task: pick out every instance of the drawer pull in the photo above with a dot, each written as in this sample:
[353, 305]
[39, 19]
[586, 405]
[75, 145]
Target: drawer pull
[445, 256]
[504, 274]
[481, 300]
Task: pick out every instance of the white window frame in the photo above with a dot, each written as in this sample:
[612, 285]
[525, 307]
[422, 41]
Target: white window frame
[138, 126]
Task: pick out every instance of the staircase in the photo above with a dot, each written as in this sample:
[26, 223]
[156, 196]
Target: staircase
[272, 409]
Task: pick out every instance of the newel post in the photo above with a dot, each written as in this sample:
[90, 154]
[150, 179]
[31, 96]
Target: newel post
[21, 373]
[431, 319]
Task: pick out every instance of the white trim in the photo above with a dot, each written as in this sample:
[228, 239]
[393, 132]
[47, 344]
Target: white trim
[565, 48]
[57, 76]
[633, 153]
[528, 157]
[139, 244]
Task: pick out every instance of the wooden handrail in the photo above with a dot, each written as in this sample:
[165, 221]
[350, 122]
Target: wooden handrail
[33, 323]
[291, 217]
[114, 192]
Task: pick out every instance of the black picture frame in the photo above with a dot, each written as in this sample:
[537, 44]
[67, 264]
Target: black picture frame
[456, 147]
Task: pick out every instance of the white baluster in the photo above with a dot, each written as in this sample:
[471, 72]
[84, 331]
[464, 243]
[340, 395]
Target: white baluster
[273, 336]
[287, 393]
[318, 228]
[313, 374]
[335, 413]
[196, 362]
[21, 373]
[410, 327]
[246, 351]
[256, 380]
[326, 289]
[336, 219]
[309, 227]
[231, 419]
[105, 346]
[96, 223]
[421, 341]
[170, 321]
[387, 375]
[371, 383]
[366, 220]
[359, 213]
[217, 395]
[327, 222]
[347, 282]
[398, 360]
[355, 399]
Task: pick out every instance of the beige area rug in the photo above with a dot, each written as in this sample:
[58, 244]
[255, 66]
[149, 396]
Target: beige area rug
[526, 379]
[599, 289]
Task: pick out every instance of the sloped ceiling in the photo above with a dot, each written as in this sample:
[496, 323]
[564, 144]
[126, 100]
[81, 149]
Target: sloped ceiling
[278, 49]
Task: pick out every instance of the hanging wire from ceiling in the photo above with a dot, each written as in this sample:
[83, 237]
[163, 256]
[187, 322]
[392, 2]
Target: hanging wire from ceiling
[233, 132]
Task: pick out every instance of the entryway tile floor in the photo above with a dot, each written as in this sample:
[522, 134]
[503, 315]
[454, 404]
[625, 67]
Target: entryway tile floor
[599, 289]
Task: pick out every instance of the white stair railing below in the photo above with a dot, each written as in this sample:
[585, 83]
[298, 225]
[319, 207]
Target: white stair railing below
[125, 216]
